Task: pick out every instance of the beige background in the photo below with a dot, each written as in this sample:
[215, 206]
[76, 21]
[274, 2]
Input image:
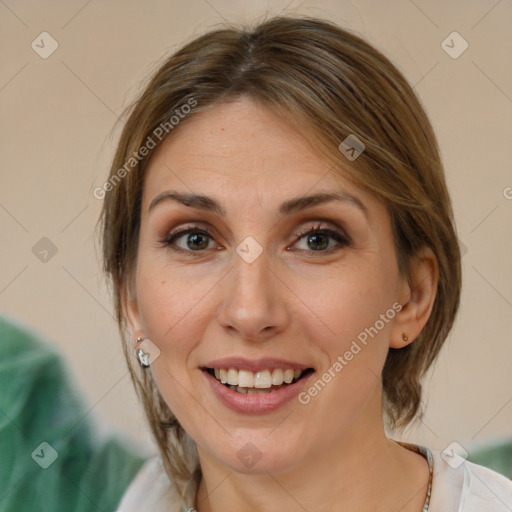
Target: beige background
[57, 117]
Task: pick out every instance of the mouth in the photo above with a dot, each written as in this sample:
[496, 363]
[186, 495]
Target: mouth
[260, 382]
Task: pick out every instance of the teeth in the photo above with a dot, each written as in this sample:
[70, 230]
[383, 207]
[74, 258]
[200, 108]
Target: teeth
[262, 379]
[288, 376]
[250, 391]
[251, 381]
[277, 377]
[232, 377]
[245, 379]
[253, 391]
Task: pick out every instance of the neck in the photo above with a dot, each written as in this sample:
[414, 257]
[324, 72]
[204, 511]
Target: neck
[363, 470]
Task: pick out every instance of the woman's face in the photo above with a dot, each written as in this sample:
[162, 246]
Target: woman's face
[243, 282]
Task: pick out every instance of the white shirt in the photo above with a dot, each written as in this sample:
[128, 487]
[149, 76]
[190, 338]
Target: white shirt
[457, 486]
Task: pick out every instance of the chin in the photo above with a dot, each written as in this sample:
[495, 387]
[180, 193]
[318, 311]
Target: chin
[258, 455]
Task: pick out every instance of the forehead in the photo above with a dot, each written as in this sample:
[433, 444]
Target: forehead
[243, 151]
[239, 139]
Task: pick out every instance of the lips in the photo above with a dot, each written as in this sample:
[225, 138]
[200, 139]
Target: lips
[255, 386]
[258, 403]
[256, 365]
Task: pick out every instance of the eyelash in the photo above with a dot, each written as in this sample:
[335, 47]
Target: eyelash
[340, 237]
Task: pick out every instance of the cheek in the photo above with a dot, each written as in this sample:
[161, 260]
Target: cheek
[170, 299]
[355, 350]
[170, 310]
[348, 305]
[167, 314]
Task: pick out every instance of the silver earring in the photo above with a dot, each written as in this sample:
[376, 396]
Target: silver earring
[142, 356]
[404, 337]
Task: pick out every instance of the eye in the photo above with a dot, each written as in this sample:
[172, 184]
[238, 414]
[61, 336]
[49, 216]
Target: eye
[317, 239]
[197, 240]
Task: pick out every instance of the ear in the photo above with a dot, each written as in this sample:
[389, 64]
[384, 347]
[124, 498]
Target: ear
[416, 297]
[130, 308]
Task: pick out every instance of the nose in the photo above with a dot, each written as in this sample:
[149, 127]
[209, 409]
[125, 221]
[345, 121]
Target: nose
[254, 305]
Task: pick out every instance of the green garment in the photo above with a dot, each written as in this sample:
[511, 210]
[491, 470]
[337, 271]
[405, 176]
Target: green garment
[85, 471]
[494, 454]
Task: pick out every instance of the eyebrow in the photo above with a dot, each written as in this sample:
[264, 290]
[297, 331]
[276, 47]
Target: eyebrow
[293, 205]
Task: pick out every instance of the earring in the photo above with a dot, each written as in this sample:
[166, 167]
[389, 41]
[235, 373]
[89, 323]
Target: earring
[404, 337]
[141, 355]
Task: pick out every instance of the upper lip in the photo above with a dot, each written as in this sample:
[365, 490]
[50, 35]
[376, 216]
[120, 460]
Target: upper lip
[255, 365]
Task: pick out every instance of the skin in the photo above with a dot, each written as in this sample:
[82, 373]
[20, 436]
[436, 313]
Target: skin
[302, 304]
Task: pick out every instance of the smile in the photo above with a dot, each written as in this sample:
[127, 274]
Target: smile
[255, 383]
[250, 387]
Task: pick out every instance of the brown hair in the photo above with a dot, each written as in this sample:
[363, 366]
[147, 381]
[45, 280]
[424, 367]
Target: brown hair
[322, 77]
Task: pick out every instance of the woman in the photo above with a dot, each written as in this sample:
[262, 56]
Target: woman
[271, 365]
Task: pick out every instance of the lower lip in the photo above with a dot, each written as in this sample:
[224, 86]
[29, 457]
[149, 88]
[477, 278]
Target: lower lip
[255, 404]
